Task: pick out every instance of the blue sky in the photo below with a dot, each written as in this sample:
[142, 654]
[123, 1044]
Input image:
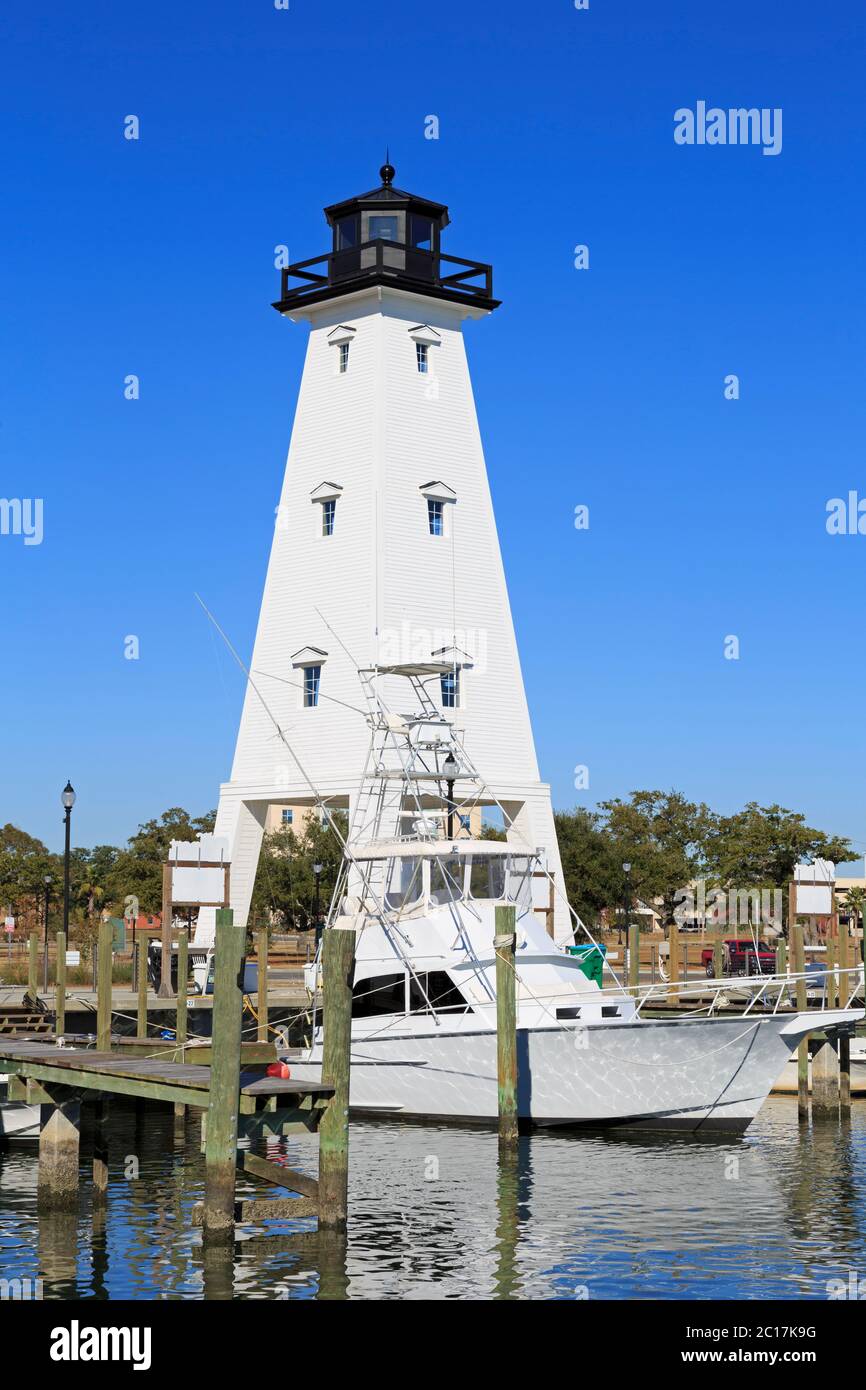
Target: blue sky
[603, 387]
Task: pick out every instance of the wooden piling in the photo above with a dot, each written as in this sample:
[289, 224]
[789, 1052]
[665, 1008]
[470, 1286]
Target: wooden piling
[845, 986]
[338, 968]
[33, 967]
[59, 1137]
[104, 963]
[262, 983]
[181, 1023]
[798, 960]
[506, 1025]
[674, 962]
[825, 1077]
[845, 1073]
[830, 976]
[718, 956]
[181, 1019]
[100, 1151]
[634, 958]
[60, 987]
[141, 1030]
[222, 1112]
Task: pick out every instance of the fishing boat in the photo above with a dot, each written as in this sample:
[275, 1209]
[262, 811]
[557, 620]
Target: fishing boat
[421, 894]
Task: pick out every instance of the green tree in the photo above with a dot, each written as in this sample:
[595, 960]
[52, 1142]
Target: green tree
[138, 868]
[855, 903]
[759, 847]
[590, 866]
[664, 836]
[24, 863]
[285, 885]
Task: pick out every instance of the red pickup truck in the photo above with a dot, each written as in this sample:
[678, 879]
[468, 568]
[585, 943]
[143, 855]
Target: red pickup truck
[741, 957]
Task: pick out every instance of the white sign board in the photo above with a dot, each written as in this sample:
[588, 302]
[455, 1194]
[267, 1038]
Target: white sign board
[194, 885]
[9, 925]
[814, 899]
[73, 957]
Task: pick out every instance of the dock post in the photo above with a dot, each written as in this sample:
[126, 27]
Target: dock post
[104, 963]
[845, 988]
[33, 967]
[845, 1074]
[506, 1025]
[634, 958]
[222, 1112]
[825, 1077]
[262, 983]
[180, 1022]
[338, 968]
[674, 964]
[60, 987]
[141, 1030]
[830, 976]
[718, 956]
[798, 960]
[59, 1136]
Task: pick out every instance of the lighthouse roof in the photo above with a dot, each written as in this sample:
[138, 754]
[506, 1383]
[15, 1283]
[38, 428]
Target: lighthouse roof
[387, 194]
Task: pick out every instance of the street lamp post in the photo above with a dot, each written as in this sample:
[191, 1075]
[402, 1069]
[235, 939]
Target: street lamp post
[627, 900]
[47, 882]
[450, 771]
[67, 797]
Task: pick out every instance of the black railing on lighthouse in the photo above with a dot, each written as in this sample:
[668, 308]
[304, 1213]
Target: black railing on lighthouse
[382, 260]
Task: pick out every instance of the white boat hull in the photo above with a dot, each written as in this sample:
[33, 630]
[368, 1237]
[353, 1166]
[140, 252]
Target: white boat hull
[19, 1120]
[685, 1074]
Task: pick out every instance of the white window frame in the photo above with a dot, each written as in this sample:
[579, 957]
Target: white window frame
[437, 491]
[320, 496]
[308, 659]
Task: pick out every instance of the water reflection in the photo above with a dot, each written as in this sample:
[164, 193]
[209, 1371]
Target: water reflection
[436, 1213]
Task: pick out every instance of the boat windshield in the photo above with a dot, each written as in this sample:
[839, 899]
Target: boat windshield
[405, 883]
[446, 879]
[519, 887]
[487, 876]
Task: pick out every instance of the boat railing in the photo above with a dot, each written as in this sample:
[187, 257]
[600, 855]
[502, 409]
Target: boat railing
[762, 989]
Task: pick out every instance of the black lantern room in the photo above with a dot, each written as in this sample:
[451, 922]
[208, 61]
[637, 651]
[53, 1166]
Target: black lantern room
[387, 237]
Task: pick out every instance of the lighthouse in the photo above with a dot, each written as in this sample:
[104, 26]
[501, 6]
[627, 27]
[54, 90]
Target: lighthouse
[385, 547]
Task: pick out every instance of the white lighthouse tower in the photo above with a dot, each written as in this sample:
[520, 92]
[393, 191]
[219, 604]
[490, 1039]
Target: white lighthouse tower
[385, 547]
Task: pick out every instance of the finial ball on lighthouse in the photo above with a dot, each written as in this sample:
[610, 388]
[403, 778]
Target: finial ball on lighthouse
[386, 174]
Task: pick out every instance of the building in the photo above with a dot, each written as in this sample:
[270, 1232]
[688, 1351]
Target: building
[385, 548]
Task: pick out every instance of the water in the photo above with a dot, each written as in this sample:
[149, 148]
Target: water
[775, 1214]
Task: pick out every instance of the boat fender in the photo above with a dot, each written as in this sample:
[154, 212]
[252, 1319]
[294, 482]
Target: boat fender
[279, 1069]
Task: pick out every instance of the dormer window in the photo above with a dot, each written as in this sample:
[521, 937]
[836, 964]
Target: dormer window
[326, 497]
[450, 680]
[312, 678]
[308, 663]
[424, 337]
[435, 519]
[438, 497]
[340, 339]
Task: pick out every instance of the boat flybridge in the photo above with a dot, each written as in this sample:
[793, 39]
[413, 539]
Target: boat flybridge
[420, 890]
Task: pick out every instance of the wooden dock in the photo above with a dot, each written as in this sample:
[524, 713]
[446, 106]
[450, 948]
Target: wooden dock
[222, 1077]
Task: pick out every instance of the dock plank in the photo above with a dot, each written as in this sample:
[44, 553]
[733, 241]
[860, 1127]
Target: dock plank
[89, 1065]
